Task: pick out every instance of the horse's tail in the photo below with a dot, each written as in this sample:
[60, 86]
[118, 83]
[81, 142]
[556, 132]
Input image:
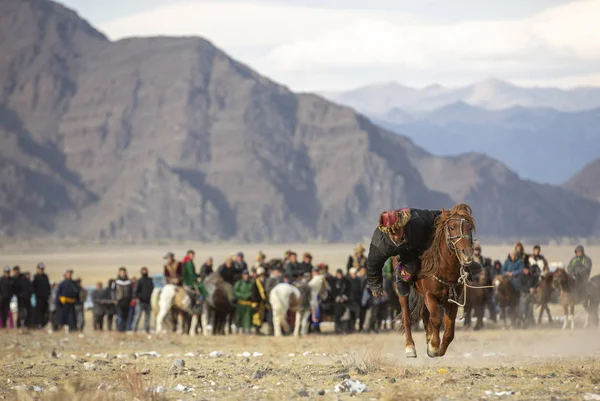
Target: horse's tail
[415, 310]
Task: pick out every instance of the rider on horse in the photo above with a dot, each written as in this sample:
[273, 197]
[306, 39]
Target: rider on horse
[405, 233]
[190, 278]
[580, 266]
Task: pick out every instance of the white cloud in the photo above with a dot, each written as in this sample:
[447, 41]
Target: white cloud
[313, 48]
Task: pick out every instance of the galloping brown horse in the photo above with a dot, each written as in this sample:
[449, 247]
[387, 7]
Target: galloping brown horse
[438, 283]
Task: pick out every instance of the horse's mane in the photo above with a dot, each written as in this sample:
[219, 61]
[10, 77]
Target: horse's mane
[432, 259]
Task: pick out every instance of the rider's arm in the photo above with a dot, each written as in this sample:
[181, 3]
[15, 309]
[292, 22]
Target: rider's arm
[375, 262]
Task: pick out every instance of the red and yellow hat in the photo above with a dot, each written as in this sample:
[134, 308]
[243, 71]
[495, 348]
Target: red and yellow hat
[392, 221]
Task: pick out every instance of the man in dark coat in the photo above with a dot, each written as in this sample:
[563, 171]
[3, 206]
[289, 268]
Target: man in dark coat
[23, 289]
[306, 265]
[123, 296]
[6, 294]
[227, 271]
[356, 292]
[41, 289]
[405, 233]
[143, 293]
[67, 295]
[341, 294]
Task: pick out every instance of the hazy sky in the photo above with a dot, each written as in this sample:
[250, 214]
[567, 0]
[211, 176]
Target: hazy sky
[342, 44]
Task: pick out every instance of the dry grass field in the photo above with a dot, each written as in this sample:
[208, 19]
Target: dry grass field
[538, 364]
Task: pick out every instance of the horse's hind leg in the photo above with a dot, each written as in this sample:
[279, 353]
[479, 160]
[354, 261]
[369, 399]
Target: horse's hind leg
[433, 347]
[449, 322]
[410, 350]
[566, 312]
[572, 310]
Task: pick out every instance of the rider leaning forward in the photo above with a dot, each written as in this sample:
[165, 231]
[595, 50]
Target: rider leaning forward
[405, 233]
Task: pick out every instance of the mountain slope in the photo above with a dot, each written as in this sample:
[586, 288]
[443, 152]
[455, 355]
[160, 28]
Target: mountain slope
[587, 181]
[171, 138]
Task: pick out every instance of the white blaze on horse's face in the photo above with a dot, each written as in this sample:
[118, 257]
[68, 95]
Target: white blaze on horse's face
[497, 282]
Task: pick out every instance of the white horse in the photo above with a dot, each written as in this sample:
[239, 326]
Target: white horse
[167, 300]
[284, 297]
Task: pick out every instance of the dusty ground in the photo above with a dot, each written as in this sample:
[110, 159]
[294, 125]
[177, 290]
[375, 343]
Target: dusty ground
[550, 364]
[536, 364]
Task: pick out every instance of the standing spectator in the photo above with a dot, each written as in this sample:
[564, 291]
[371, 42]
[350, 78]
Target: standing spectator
[362, 277]
[227, 271]
[107, 299]
[496, 269]
[377, 308]
[67, 295]
[122, 298]
[41, 290]
[259, 300]
[306, 266]
[341, 293]
[52, 309]
[526, 284]
[172, 269]
[132, 305]
[355, 297]
[357, 260]
[242, 290]
[240, 263]
[6, 294]
[260, 261]
[98, 310]
[23, 289]
[206, 269]
[291, 267]
[143, 294]
[80, 305]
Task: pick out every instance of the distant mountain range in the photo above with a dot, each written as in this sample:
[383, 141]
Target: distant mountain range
[587, 182]
[493, 94]
[544, 145]
[544, 134]
[150, 138]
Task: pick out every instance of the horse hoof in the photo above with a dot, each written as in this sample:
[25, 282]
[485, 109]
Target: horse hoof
[432, 352]
[410, 352]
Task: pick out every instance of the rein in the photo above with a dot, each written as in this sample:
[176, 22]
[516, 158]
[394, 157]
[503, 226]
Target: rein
[452, 241]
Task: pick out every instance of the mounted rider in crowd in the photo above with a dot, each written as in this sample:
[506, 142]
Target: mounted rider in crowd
[580, 266]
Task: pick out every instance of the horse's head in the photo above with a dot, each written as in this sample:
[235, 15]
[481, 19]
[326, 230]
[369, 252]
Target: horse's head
[458, 225]
[559, 278]
[498, 281]
[453, 238]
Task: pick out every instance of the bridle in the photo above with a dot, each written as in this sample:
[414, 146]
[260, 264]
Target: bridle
[452, 241]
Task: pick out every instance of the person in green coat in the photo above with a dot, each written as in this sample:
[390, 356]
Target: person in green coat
[189, 277]
[388, 268]
[242, 291]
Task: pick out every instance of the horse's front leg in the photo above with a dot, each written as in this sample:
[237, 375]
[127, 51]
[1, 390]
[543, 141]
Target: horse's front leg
[410, 350]
[572, 308]
[449, 322]
[425, 317]
[566, 313]
[433, 346]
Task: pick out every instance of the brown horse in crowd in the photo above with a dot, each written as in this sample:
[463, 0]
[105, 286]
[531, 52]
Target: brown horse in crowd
[544, 295]
[438, 282]
[476, 301]
[592, 301]
[569, 295]
[508, 298]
